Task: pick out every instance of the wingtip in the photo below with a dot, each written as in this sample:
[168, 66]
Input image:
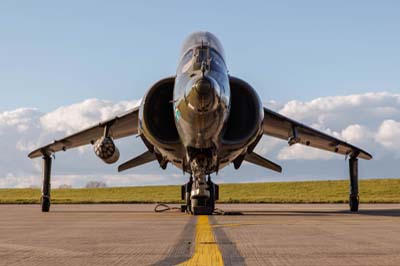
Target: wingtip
[33, 154]
[365, 155]
[278, 169]
[39, 152]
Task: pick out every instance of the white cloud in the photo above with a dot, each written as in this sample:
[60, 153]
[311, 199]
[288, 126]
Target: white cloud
[26, 146]
[337, 112]
[11, 180]
[267, 145]
[24, 129]
[301, 152]
[371, 121]
[79, 180]
[389, 134]
[69, 119]
[358, 119]
[356, 134]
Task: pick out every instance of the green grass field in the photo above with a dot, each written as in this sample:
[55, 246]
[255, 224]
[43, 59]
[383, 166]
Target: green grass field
[371, 191]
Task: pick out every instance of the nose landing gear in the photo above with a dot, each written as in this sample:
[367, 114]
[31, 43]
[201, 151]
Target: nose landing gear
[200, 198]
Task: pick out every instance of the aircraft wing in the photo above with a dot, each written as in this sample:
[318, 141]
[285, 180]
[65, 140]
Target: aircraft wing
[279, 126]
[118, 127]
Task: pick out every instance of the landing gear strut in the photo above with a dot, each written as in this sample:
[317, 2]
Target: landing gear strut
[200, 195]
[354, 200]
[45, 199]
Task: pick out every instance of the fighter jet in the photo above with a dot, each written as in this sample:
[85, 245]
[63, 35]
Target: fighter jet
[199, 120]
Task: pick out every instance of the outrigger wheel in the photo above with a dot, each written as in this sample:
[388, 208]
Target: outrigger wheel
[354, 199]
[45, 199]
[354, 202]
[45, 202]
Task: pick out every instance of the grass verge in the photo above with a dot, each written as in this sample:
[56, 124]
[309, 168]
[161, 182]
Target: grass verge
[371, 191]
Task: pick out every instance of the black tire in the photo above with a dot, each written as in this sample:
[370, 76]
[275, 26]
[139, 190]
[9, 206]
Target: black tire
[204, 206]
[354, 201]
[45, 202]
[211, 200]
[188, 201]
[201, 207]
[197, 203]
[193, 204]
[189, 206]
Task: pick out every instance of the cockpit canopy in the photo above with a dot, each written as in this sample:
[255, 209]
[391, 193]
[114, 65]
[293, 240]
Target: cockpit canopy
[202, 50]
[202, 38]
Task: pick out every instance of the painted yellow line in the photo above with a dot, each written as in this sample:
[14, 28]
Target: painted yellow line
[234, 225]
[206, 251]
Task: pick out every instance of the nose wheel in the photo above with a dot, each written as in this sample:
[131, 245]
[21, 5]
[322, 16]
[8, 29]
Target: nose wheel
[200, 197]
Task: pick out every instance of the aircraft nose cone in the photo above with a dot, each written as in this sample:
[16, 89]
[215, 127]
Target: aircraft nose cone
[203, 86]
[202, 94]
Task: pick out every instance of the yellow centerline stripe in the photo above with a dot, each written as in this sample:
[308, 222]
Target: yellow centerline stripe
[206, 250]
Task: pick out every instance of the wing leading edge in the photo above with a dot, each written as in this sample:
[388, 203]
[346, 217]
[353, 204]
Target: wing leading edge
[279, 126]
[118, 127]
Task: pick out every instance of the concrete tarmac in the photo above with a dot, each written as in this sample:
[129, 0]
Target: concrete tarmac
[255, 234]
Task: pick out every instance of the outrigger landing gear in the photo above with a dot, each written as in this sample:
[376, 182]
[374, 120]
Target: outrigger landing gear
[45, 199]
[354, 199]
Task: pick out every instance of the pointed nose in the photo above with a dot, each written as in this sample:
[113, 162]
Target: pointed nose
[204, 86]
[202, 95]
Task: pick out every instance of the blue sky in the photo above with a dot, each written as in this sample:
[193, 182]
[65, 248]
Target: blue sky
[67, 65]
[55, 53]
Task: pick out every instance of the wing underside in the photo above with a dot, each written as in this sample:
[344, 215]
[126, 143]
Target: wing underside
[279, 126]
[118, 127]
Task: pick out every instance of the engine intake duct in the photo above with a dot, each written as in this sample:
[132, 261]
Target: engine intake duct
[158, 112]
[245, 115]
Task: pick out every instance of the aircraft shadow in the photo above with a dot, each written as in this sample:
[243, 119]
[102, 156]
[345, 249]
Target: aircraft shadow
[99, 211]
[374, 212]
[370, 212]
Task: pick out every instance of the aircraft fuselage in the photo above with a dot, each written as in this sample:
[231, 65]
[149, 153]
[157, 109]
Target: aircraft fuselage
[201, 94]
[201, 103]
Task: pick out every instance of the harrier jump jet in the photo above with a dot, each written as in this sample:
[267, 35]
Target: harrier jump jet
[200, 120]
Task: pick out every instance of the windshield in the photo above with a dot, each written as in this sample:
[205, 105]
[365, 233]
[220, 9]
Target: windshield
[195, 58]
[186, 62]
[202, 57]
[202, 38]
